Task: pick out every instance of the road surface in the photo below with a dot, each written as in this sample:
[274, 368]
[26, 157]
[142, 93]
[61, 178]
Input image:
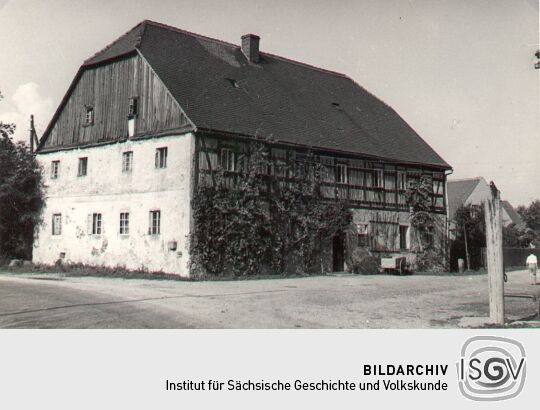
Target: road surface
[347, 301]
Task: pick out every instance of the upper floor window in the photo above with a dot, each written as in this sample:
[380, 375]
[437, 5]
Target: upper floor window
[161, 157]
[57, 224]
[124, 223]
[89, 117]
[55, 169]
[226, 159]
[378, 178]
[127, 161]
[341, 173]
[155, 223]
[83, 166]
[402, 180]
[133, 109]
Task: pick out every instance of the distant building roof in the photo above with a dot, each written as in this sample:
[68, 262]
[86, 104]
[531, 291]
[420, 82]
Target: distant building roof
[276, 98]
[458, 192]
[514, 216]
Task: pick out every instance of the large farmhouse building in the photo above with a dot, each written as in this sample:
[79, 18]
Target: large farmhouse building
[148, 117]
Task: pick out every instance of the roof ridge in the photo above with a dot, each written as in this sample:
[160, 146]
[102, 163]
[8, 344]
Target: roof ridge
[264, 53]
[465, 179]
[190, 33]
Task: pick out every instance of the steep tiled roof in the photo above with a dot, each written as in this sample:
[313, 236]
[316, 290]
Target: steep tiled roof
[459, 191]
[276, 98]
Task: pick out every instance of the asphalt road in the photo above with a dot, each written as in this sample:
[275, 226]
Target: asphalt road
[30, 304]
[348, 301]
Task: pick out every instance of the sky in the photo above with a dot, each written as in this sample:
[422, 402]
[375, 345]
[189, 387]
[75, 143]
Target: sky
[460, 72]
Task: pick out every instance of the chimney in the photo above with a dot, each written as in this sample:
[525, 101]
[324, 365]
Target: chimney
[250, 47]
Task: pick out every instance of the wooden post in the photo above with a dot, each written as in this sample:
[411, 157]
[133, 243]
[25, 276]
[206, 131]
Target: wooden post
[32, 131]
[494, 255]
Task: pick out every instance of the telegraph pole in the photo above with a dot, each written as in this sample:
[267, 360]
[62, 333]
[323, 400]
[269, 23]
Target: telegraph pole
[494, 255]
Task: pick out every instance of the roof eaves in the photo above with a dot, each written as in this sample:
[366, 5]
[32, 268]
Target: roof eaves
[319, 148]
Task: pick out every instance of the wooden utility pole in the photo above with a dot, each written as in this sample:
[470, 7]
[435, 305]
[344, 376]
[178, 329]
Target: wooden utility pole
[494, 255]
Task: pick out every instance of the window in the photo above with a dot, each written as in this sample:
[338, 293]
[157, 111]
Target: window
[83, 166]
[55, 169]
[378, 178]
[403, 229]
[133, 109]
[363, 239]
[227, 159]
[89, 117]
[341, 173]
[124, 223]
[402, 180]
[127, 161]
[57, 224]
[155, 223]
[161, 157]
[96, 224]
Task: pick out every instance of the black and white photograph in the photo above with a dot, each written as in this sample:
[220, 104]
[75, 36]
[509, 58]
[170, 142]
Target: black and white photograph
[293, 165]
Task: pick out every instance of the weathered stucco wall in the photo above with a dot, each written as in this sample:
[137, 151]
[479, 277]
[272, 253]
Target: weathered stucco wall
[109, 191]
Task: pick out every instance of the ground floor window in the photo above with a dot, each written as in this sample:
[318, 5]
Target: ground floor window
[57, 224]
[124, 223]
[96, 224]
[403, 230]
[155, 223]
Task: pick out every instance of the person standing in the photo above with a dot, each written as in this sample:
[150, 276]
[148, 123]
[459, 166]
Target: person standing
[532, 264]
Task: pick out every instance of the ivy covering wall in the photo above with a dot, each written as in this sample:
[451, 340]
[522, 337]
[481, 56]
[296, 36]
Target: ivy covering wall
[264, 223]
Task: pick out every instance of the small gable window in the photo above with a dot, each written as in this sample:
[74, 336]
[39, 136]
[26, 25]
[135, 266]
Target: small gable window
[89, 117]
[133, 109]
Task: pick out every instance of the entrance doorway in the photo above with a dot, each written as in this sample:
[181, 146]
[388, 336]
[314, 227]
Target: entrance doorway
[338, 253]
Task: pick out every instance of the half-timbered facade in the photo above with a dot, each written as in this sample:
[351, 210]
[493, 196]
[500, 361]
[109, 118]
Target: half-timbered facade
[158, 111]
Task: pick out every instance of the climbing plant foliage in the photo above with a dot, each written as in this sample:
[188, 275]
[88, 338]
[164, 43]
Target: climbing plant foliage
[264, 223]
[428, 231]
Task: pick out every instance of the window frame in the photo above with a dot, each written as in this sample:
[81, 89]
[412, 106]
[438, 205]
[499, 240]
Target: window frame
[378, 178]
[161, 157]
[56, 224]
[124, 223]
[89, 115]
[83, 166]
[129, 163]
[154, 227]
[403, 242]
[97, 223]
[133, 107]
[55, 169]
[227, 156]
[342, 173]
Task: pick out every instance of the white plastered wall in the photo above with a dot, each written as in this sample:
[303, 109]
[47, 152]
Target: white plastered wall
[109, 191]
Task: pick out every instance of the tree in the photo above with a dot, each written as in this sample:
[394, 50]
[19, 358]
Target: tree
[21, 196]
[531, 217]
[471, 233]
[6, 130]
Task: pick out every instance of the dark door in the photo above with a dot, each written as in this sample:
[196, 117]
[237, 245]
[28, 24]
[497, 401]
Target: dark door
[338, 253]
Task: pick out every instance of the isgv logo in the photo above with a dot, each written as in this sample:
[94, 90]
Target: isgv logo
[491, 368]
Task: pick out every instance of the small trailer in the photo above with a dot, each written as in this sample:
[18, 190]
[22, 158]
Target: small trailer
[394, 264]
